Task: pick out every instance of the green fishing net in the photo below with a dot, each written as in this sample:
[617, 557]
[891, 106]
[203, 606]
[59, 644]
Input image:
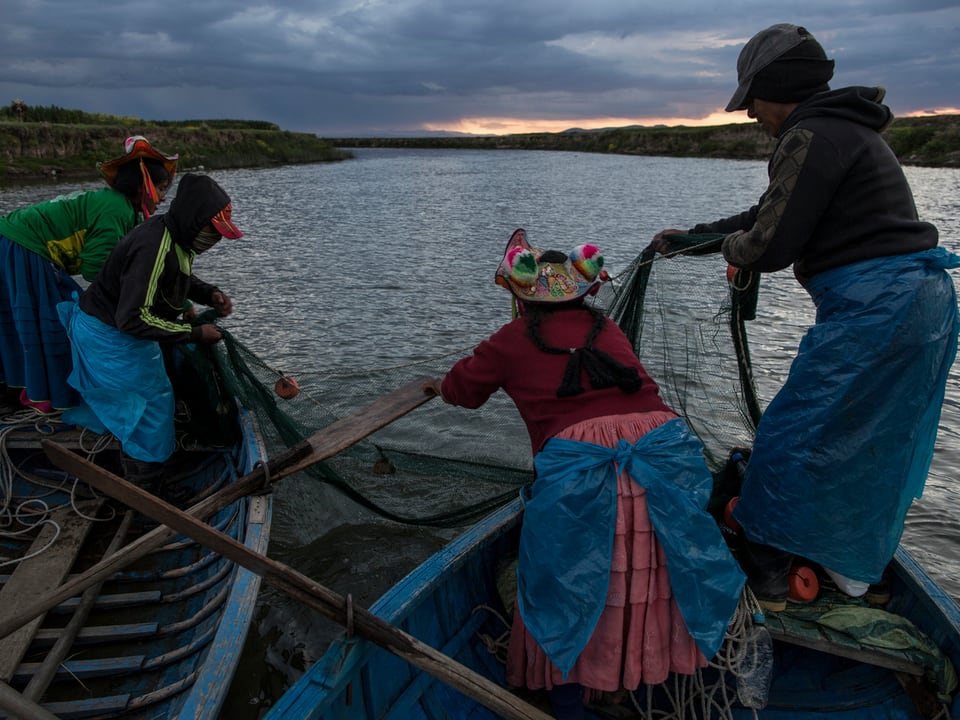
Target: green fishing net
[479, 459]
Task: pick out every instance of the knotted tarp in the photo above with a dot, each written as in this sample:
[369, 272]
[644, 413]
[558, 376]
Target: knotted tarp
[568, 530]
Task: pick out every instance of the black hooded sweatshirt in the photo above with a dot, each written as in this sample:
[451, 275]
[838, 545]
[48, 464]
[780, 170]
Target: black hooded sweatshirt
[837, 194]
[145, 282]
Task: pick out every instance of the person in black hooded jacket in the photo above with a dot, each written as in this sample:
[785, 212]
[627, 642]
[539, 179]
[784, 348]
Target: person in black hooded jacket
[844, 447]
[134, 305]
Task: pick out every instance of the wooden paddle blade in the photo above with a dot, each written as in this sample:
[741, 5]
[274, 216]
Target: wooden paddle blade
[343, 433]
[300, 587]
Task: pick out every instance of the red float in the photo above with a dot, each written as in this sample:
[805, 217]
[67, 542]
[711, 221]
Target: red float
[804, 585]
[287, 388]
[728, 515]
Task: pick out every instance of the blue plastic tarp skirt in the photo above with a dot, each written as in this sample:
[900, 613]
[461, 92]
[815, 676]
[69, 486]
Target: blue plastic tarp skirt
[566, 541]
[845, 446]
[123, 385]
[34, 348]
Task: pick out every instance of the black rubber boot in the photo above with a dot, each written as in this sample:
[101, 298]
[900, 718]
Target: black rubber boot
[768, 571]
[145, 475]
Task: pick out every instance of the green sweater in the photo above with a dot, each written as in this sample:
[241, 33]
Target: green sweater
[76, 231]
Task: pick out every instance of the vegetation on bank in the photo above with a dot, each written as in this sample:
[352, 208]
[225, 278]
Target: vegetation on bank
[51, 142]
[933, 141]
[38, 143]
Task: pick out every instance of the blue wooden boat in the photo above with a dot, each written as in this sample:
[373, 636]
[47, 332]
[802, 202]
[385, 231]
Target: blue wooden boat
[160, 637]
[829, 662]
[451, 602]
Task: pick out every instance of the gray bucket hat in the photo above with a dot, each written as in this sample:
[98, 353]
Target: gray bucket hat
[762, 49]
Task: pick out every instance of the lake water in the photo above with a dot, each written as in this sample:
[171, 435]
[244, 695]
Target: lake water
[388, 258]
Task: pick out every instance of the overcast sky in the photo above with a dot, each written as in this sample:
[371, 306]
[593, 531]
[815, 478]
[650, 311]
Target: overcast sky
[343, 68]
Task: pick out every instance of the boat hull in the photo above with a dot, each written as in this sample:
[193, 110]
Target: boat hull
[163, 636]
[452, 603]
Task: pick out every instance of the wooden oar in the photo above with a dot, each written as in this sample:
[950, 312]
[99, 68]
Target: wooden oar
[51, 663]
[17, 706]
[300, 587]
[324, 444]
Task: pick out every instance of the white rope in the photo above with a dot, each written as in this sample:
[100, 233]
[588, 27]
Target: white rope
[689, 697]
[21, 516]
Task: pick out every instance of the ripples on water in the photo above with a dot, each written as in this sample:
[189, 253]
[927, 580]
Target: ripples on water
[389, 258]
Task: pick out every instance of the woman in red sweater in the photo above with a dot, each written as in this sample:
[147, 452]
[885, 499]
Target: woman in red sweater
[617, 547]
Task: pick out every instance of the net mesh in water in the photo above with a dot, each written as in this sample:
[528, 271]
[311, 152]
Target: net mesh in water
[686, 322]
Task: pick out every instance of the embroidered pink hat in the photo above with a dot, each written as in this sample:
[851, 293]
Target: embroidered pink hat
[548, 276]
[136, 147]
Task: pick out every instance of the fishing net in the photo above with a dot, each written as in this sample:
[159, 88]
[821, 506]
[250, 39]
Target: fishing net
[476, 460]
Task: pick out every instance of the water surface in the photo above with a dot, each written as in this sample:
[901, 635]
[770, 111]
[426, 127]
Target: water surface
[388, 259]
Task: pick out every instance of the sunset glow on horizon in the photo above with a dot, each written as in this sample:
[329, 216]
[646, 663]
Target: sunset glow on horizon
[514, 126]
[523, 126]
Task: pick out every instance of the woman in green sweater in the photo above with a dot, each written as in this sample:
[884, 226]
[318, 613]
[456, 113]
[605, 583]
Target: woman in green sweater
[42, 246]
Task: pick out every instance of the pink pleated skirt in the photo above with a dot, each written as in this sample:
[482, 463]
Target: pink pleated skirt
[641, 637]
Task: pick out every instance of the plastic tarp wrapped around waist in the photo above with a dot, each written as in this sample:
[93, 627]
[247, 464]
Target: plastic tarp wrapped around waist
[845, 446]
[123, 385]
[567, 538]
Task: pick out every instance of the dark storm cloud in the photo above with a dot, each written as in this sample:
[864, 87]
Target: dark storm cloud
[393, 66]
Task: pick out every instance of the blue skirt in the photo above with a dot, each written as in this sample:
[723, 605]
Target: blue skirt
[845, 446]
[34, 349]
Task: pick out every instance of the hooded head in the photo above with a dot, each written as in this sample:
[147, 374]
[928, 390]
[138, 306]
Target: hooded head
[200, 213]
[548, 276]
[783, 63]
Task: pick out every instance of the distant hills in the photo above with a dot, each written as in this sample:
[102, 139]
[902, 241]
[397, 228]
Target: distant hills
[933, 141]
[49, 142]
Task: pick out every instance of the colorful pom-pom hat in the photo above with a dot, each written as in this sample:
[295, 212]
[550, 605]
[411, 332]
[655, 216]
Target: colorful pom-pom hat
[548, 276]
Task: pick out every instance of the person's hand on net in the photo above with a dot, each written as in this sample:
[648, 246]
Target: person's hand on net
[210, 334]
[222, 302]
[661, 244]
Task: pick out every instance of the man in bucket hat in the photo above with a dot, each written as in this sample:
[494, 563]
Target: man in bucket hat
[844, 447]
[132, 311]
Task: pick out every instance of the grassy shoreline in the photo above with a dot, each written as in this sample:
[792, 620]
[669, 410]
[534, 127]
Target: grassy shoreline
[929, 141]
[32, 152]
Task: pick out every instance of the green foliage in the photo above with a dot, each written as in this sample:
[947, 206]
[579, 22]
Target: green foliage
[19, 111]
[33, 151]
[42, 142]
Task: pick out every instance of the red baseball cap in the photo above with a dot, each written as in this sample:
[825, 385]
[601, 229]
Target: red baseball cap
[224, 225]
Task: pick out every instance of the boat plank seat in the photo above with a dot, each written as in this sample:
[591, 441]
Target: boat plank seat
[112, 706]
[86, 669]
[29, 438]
[825, 644]
[100, 633]
[40, 575]
[113, 601]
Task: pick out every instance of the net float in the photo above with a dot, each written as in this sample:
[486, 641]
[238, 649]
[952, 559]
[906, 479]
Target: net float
[287, 388]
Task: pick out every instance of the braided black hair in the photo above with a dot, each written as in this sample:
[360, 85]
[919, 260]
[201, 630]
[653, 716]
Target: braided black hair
[129, 179]
[602, 370]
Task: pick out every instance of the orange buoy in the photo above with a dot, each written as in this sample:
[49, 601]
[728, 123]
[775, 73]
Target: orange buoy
[287, 388]
[731, 272]
[728, 514]
[804, 585]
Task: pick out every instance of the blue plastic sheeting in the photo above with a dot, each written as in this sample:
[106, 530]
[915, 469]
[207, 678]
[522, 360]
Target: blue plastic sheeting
[123, 384]
[567, 538]
[845, 446]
